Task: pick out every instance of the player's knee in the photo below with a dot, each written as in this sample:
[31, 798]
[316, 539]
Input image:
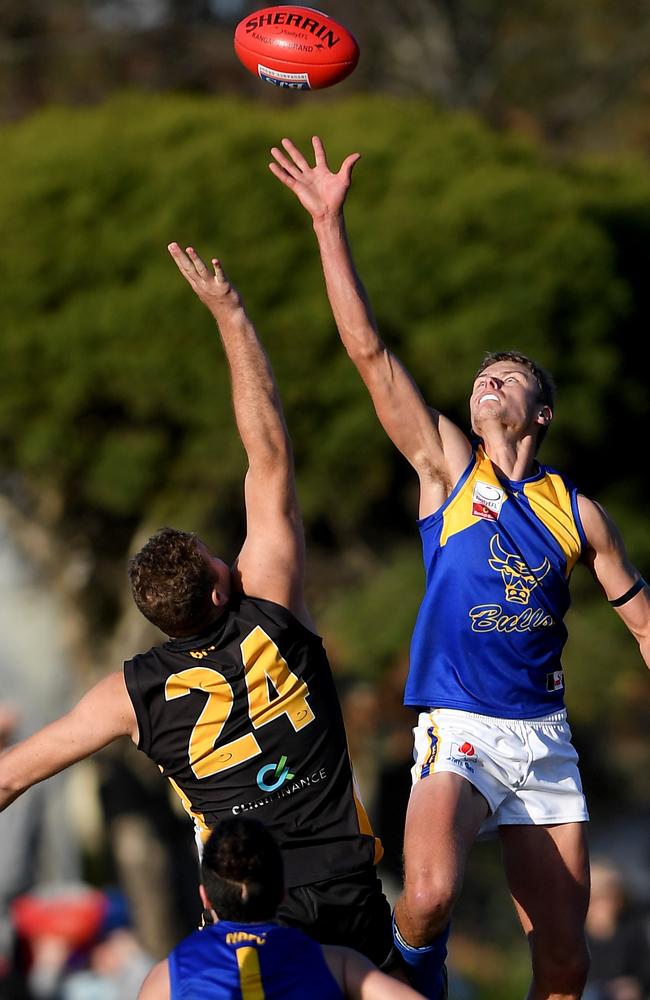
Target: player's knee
[429, 905]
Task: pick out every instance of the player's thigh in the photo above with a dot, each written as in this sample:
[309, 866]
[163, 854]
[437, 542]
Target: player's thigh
[547, 868]
[443, 817]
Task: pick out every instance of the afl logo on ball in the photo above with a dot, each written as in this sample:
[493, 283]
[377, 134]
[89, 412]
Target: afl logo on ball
[487, 501]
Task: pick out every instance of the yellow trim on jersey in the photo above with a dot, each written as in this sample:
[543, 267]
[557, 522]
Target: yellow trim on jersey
[458, 515]
[199, 818]
[364, 821]
[551, 502]
[250, 974]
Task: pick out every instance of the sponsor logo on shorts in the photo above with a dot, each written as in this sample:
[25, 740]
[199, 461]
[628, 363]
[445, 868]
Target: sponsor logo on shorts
[290, 81]
[555, 681]
[487, 501]
[463, 754]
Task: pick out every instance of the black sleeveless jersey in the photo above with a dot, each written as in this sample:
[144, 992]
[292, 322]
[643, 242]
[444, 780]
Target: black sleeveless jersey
[244, 719]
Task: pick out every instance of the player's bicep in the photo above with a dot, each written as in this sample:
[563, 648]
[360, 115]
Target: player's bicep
[610, 564]
[271, 563]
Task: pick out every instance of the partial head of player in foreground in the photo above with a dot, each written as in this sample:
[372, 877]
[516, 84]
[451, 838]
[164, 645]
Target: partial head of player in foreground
[242, 951]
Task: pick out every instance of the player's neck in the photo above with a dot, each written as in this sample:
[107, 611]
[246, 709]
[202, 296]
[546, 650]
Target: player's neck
[513, 457]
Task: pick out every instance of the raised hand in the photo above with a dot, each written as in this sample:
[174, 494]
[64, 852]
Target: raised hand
[318, 189]
[210, 285]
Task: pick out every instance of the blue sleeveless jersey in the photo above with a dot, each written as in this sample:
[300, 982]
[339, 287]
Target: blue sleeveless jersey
[490, 632]
[229, 961]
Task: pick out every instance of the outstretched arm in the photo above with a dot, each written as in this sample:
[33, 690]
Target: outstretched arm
[611, 566]
[359, 979]
[271, 562]
[102, 715]
[435, 447]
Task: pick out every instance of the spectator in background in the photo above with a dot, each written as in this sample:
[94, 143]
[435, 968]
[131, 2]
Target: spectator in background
[619, 940]
[80, 944]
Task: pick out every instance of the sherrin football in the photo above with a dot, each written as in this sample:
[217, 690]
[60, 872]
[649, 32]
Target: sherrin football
[297, 48]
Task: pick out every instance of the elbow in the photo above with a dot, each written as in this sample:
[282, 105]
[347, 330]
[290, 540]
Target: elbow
[11, 784]
[368, 355]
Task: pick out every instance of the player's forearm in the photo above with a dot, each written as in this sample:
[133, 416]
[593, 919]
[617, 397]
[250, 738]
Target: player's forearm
[256, 400]
[350, 305]
[22, 766]
[10, 786]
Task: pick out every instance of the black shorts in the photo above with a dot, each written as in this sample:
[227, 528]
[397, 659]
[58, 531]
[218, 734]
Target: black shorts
[349, 910]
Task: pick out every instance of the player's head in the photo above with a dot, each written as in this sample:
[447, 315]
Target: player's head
[513, 390]
[176, 583]
[242, 873]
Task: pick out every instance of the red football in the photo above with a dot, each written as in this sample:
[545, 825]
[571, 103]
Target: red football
[295, 47]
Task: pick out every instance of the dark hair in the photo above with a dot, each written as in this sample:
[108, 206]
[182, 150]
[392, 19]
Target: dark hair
[172, 580]
[242, 871]
[544, 379]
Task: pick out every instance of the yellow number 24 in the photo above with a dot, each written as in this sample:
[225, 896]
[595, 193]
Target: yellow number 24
[264, 669]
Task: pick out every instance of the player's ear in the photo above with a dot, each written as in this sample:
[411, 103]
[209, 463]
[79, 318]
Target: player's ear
[544, 415]
[208, 916]
[218, 597]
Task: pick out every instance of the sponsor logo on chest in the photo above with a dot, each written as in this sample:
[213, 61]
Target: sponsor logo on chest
[487, 501]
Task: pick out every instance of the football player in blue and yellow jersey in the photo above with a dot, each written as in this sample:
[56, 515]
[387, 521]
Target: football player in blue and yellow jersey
[239, 708]
[243, 953]
[501, 534]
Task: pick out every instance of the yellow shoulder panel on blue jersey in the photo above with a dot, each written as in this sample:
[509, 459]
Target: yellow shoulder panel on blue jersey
[551, 501]
[458, 515]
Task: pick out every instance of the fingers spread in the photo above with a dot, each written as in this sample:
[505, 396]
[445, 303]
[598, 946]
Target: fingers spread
[282, 175]
[295, 154]
[348, 165]
[199, 265]
[219, 275]
[319, 151]
[182, 261]
[287, 165]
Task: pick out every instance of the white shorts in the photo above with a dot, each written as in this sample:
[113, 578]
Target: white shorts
[526, 770]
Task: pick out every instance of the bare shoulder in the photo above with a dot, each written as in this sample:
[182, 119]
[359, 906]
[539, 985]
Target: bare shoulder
[599, 528]
[359, 978]
[156, 985]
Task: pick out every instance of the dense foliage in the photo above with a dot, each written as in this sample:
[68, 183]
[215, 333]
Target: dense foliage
[114, 400]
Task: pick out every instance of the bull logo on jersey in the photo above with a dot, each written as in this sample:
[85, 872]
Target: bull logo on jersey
[519, 579]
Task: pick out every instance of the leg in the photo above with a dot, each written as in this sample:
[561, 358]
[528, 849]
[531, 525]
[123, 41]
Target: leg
[548, 875]
[444, 814]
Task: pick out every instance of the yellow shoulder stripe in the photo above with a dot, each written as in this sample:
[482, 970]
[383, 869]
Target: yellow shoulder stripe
[551, 502]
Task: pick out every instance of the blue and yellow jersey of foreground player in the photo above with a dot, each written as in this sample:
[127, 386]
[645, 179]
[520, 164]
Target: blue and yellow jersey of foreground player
[489, 639]
[235, 961]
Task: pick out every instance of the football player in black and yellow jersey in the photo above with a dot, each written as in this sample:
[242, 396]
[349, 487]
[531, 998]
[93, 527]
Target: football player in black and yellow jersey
[238, 709]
